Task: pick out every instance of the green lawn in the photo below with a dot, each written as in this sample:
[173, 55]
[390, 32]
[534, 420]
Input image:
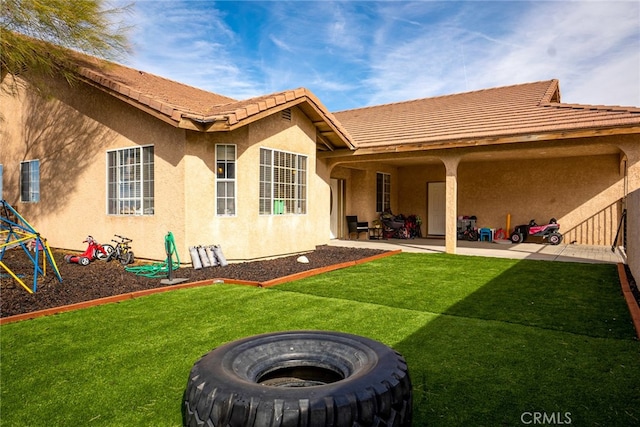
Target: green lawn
[488, 342]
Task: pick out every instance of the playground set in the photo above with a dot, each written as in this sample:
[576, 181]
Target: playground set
[16, 231]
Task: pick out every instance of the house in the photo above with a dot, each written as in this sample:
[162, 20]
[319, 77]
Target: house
[130, 153]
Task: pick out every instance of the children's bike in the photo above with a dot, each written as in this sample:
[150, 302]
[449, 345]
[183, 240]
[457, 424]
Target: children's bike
[121, 250]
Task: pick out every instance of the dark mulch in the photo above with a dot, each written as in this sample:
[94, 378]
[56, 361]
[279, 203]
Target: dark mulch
[101, 279]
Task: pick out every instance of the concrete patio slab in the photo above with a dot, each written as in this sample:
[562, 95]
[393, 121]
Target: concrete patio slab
[506, 249]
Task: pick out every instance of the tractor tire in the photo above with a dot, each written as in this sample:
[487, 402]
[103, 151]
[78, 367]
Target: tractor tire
[299, 378]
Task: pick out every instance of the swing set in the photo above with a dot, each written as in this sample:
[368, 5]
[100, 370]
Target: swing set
[16, 231]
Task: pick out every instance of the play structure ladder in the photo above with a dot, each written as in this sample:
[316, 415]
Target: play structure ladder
[16, 231]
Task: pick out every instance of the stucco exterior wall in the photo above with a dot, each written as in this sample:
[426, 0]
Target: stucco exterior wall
[72, 147]
[70, 132]
[248, 235]
[633, 234]
[582, 193]
[631, 148]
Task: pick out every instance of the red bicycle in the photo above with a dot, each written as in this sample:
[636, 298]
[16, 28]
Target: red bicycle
[94, 251]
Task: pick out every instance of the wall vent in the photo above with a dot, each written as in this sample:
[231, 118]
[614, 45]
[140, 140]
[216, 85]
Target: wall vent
[286, 114]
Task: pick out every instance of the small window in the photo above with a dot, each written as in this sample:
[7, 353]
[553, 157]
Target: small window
[383, 192]
[225, 179]
[30, 181]
[131, 181]
[283, 183]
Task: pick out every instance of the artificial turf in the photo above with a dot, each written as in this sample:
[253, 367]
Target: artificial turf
[488, 342]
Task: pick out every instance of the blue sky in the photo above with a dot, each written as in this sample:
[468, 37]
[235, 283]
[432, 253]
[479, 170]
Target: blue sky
[352, 54]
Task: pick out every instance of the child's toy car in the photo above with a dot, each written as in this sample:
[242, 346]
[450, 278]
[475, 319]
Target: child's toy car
[537, 233]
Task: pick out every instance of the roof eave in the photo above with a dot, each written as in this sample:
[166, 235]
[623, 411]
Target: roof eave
[476, 142]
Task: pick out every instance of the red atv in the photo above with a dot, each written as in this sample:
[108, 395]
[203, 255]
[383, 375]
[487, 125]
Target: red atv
[537, 233]
[94, 251]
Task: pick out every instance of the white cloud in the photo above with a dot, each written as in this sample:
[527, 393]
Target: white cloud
[592, 47]
[352, 54]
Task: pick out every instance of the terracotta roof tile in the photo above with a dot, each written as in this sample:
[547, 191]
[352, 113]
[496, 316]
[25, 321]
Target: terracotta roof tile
[126, 81]
[524, 109]
[177, 101]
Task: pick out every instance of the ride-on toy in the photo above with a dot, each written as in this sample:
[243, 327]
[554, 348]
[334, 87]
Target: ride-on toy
[537, 233]
[94, 251]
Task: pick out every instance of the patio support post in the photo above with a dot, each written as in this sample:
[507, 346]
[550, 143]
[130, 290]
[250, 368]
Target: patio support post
[451, 183]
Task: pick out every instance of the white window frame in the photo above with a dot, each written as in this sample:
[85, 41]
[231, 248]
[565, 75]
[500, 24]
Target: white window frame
[30, 181]
[226, 172]
[131, 186]
[383, 191]
[283, 182]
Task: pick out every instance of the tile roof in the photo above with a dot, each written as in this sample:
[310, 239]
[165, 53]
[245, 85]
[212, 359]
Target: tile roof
[149, 88]
[196, 109]
[520, 112]
[524, 112]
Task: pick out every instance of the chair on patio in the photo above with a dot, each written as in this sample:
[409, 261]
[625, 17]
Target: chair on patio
[356, 226]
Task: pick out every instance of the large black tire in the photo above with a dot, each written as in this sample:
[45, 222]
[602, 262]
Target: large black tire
[299, 378]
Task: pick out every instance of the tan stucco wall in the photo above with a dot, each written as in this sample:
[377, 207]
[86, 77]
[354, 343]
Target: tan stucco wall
[72, 148]
[631, 148]
[633, 234]
[248, 235]
[70, 133]
[582, 193]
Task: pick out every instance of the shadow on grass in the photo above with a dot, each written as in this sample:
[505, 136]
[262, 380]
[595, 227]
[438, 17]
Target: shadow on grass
[541, 339]
[510, 340]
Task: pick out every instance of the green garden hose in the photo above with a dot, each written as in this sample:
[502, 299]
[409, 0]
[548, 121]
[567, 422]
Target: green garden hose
[160, 269]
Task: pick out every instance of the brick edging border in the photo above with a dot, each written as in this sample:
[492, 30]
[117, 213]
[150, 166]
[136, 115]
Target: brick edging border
[634, 308]
[137, 294]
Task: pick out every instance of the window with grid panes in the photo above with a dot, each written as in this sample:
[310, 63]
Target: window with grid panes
[283, 182]
[383, 191]
[130, 181]
[30, 181]
[225, 179]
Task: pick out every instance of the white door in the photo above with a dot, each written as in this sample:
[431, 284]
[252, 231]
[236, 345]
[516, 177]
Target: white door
[436, 208]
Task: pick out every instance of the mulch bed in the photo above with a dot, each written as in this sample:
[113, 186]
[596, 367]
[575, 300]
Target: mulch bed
[101, 279]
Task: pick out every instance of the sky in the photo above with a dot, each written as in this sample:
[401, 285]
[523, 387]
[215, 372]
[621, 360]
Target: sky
[353, 54]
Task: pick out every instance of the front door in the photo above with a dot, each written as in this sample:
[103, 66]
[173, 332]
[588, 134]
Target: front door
[436, 208]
